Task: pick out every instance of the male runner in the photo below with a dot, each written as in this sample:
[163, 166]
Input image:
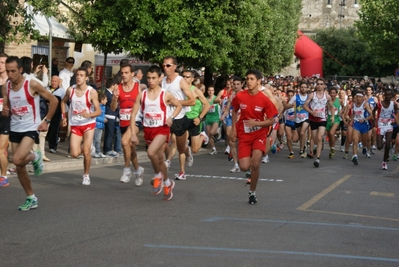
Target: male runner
[153, 103]
[83, 110]
[372, 101]
[257, 114]
[21, 98]
[4, 125]
[332, 127]
[125, 95]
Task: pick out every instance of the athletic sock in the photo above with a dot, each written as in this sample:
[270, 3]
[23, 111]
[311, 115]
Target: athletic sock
[167, 182]
[343, 139]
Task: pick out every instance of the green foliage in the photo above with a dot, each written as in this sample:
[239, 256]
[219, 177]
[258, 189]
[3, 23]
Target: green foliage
[230, 36]
[344, 46]
[378, 26]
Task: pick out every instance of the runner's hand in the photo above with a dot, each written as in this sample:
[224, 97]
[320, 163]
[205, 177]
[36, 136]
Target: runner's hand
[135, 139]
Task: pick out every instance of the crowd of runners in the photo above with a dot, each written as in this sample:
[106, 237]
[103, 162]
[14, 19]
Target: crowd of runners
[255, 115]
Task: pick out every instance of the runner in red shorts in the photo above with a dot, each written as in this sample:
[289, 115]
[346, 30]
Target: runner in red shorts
[251, 128]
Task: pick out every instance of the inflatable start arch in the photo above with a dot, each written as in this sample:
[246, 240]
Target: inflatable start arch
[310, 55]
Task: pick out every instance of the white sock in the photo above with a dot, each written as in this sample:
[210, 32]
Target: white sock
[32, 197]
[36, 156]
[167, 182]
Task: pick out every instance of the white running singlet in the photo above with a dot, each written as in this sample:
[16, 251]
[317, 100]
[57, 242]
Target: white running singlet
[154, 111]
[78, 105]
[174, 88]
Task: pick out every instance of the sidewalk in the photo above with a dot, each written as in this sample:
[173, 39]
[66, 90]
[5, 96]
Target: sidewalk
[60, 161]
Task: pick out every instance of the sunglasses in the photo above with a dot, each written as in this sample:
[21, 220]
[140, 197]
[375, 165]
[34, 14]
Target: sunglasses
[71, 62]
[187, 76]
[167, 65]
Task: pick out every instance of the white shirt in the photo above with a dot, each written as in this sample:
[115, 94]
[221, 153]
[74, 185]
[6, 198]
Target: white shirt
[65, 75]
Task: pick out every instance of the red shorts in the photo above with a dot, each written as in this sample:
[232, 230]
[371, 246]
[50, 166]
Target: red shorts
[246, 146]
[151, 132]
[81, 129]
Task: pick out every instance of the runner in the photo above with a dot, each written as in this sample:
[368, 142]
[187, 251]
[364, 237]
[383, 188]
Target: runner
[153, 103]
[385, 114]
[333, 124]
[372, 101]
[176, 85]
[124, 97]
[21, 97]
[4, 125]
[289, 122]
[222, 98]
[212, 119]
[83, 110]
[361, 115]
[251, 128]
[316, 106]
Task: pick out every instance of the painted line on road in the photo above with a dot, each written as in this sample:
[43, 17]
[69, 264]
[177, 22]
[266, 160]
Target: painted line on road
[356, 215]
[396, 170]
[264, 251]
[215, 219]
[323, 193]
[381, 194]
[230, 178]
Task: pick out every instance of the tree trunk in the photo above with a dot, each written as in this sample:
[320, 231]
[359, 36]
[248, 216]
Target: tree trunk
[208, 79]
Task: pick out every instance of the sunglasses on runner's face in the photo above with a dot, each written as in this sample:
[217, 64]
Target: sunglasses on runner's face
[167, 65]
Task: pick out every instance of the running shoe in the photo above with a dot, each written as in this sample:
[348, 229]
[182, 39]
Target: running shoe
[112, 153]
[139, 176]
[316, 163]
[219, 133]
[227, 151]
[291, 155]
[332, 153]
[303, 155]
[364, 151]
[127, 174]
[280, 147]
[181, 176]
[235, 169]
[157, 183]
[167, 164]
[368, 155]
[206, 138]
[360, 144]
[384, 166]
[52, 150]
[355, 160]
[213, 152]
[229, 157]
[38, 163]
[314, 150]
[190, 158]
[248, 174]
[168, 191]
[30, 203]
[86, 179]
[4, 181]
[394, 157]
[310, 155]
[252, 199]
[372, 149]
[342, 149]
[265, 159]
[346, 155]
[273, 148]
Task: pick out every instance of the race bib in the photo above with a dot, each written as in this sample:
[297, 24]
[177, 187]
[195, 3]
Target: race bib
[290, 117]
[153, 119]
[1, 104]
[358, 115]
[78, 113]
[248, 129]
[384, 122]
[335, 111]
[212, 109]
[124, 114]
[19, 111]
[320, 112]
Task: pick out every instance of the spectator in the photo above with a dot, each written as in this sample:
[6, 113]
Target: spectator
[67, 73]
[100, 121]
[54, 128]
[54, 67]
[112, 129]
[89, 66]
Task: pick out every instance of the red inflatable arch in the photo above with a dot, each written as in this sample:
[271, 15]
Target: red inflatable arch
[310, 55]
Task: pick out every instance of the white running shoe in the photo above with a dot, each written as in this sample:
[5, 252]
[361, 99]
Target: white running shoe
[167, 164]
[342, 149]
[190, 158]
[139, 176]
[368, 154]
[206, 138]
[235, 169]
[265, 159]
[384, 166]
[213, 152]
[127, 174]
[227, 151]
[219, 133]
[86, 179]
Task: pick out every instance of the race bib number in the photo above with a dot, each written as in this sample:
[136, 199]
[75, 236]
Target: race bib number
[335, 111]
[289, 117]
[384, 122]
[78, 113]
[320, 112]
[20, 111]
[125, 113]
[153, 119]
[212, 109]
[187, 108]
[1, 104]
[248, 129]
[358, 115]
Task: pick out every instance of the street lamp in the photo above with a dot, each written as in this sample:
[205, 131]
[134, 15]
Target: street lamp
[342, 5]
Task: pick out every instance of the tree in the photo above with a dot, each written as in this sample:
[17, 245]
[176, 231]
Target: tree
[342, 46]
[378, 26]
[229, 36]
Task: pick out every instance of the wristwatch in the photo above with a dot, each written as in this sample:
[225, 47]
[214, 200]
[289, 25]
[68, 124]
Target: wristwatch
[173, 118]
[48, 121]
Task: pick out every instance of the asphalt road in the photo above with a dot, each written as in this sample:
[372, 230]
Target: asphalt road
[335, 215]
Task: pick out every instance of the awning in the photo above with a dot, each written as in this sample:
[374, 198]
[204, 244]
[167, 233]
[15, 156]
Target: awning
[40, 24]
[114, 60]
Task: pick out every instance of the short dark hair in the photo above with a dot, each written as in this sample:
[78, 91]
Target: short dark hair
[258, 74]
[124, 62]
[86, 64]
[190, 71]
[3, 55]
[110, 81]
[26, 65]
[68, 58]
[236, 78]
[83, 69]
[174, 60]
[101, 96]
[155, 69]
[136, 71]
[14, 59]
[128, 65]
[333, 88]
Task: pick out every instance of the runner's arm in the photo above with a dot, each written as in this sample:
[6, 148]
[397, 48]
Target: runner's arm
[170, 99]
[185, 87]
[205, 103]
[6, 105]
[96, 103]
[135, 110]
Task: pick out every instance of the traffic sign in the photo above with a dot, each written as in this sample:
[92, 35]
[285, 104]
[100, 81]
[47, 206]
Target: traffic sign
[397, 72]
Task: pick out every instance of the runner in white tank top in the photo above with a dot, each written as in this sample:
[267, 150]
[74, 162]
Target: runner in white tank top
[21, 101]
[83, 110]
